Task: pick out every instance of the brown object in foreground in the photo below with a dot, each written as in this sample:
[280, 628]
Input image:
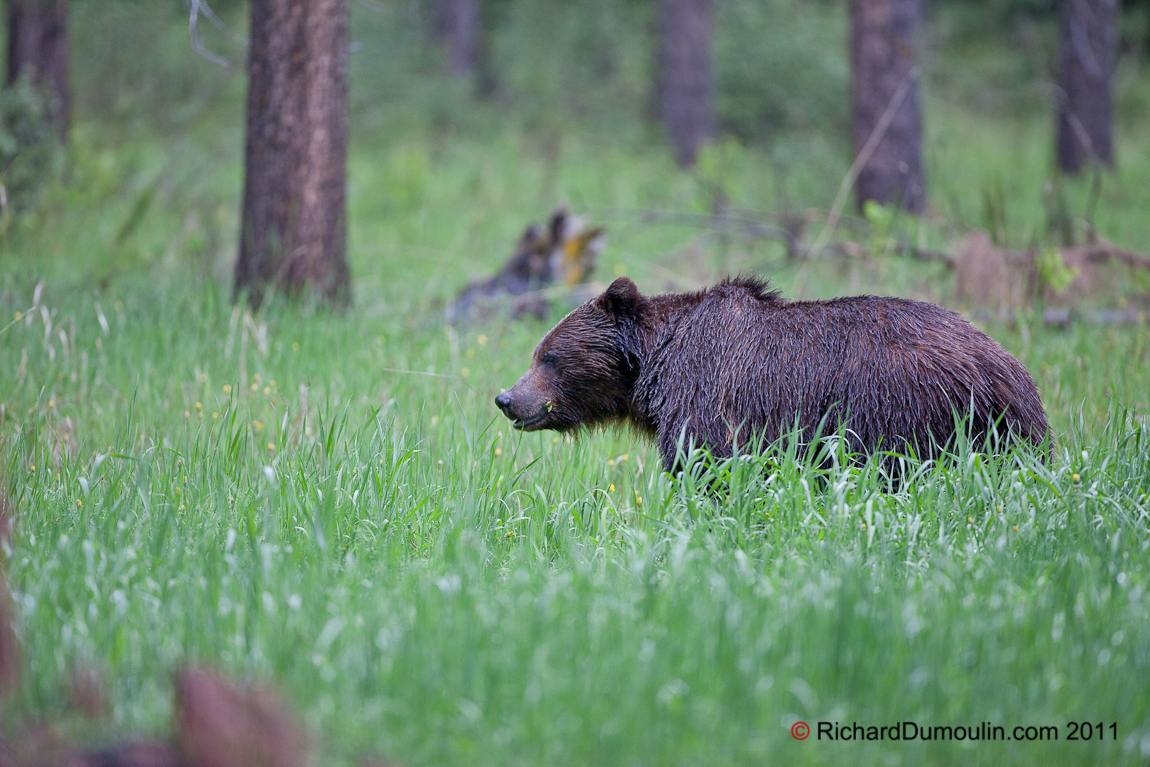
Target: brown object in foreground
[1087, 53]
[883, 77]
[38, 42]
[9, 644]
[293, 235]
[685, 85]
[218, 725]
[563, 253]
[728, 365]
[88, 694]
[134, 753]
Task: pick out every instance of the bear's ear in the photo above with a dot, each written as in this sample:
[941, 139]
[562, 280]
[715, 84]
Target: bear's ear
[620, 299]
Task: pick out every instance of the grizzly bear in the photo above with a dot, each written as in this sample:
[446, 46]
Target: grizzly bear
[737, 362]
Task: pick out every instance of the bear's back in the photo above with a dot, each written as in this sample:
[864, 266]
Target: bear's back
[742, 359]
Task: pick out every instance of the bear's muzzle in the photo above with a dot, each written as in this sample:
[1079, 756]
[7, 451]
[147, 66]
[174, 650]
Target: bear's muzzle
[524, 404]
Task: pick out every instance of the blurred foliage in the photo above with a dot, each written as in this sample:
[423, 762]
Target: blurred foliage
[30, 155]
[587, 66]
[578, 60]
[547, 68]
[551, 69]
[781, 65]
[1053, 271]
[157, 144]
[133, 65]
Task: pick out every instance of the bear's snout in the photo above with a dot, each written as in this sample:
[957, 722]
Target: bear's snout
[527, 403]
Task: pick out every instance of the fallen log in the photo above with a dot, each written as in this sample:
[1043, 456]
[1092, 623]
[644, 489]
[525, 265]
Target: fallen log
[561, 254]
[987, 275]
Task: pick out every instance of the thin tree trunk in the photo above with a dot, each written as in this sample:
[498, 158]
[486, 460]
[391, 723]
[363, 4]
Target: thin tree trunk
[1087, 53]
[294, 230]
[457, 26]
[685, 86]
[886, 113]
[38, 42]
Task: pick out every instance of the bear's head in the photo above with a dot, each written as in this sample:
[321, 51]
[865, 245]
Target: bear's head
[583, 371]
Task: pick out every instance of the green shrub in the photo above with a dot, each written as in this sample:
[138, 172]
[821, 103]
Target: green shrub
[781, 65]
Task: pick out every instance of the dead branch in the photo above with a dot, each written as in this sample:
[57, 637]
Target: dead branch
[925, 254]
[1100, 253]
[864, 155]
[195, 8]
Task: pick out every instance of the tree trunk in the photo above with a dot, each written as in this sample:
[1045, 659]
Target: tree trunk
[456, 25]
[38, 42]
[886, 113]
[685, 83]
[294, 231]
[1087, 52]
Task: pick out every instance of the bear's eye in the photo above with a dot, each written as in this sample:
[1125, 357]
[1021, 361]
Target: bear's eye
[550, 359]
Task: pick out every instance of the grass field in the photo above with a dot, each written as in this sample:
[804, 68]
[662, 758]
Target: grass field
[333, 502]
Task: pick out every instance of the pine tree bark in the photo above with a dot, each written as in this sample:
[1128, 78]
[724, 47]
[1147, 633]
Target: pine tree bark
[1087, 54]
[38, 42]
[884, 90]
[294, 230]
[456, 24]
[685, 87]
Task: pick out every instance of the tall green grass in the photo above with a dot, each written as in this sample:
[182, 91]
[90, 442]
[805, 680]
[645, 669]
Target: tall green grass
[428, 585]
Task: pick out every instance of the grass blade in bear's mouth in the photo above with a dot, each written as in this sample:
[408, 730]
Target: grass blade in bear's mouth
[523, 424]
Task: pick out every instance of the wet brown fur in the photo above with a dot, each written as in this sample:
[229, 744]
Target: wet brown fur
[737, 360]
